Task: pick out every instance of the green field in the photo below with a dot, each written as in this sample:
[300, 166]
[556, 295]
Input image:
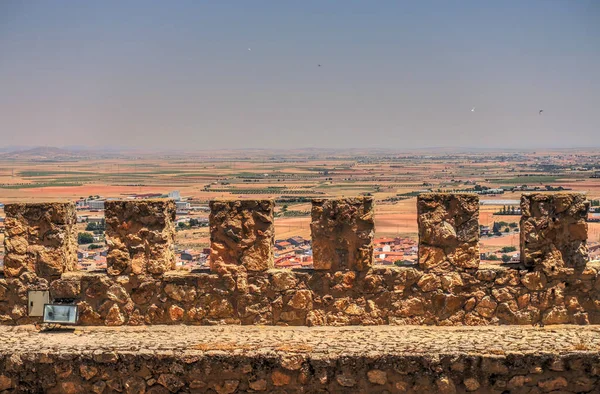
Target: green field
[526, 180]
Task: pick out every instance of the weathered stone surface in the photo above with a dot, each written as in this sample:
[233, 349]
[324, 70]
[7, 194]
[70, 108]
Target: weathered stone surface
[6, 383]
[280, 378]
[486, 307]
[135, 385]
[40, 238]
[377, 376]
[471, 384]
[346, 380]
[534, 280]
[518, 381]
[140, 236]
[176, 313]
[429, 282]
[258, 385]
[170, 381]
[88, 371]
[554, 231]
[117, 293]
[445, 385]
[99, 387]
[229, 359]
[180, 292]
[301, 300]
[556, 315]
[227, 387]
[553, 384]
[448, 231]
[342, 233]
[65, 288]
[242, 234]
[114, 316]
[144, 293]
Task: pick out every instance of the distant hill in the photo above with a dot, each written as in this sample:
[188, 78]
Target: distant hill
[44, 153]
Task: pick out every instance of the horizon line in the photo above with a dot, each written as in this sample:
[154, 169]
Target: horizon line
[74, 148]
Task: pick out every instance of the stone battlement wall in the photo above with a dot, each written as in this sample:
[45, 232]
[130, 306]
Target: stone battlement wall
[554, 284]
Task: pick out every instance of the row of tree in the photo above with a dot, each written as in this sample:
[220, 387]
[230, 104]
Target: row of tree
[96, 227]
[192, 224]
[508, 210]
[505, 258]
[85, 238]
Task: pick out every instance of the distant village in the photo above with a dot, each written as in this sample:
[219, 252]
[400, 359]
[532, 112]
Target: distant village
[294, 253]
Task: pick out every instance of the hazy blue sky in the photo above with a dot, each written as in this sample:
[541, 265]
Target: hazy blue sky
[396, 74]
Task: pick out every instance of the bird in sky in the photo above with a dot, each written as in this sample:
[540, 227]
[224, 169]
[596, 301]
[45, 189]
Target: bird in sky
[541, 110]
[249, 49]
[473, 109]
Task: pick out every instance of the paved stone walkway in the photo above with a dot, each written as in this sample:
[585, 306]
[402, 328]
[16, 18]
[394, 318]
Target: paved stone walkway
[319, 342]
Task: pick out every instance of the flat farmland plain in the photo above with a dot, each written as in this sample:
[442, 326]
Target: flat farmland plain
[393, 179]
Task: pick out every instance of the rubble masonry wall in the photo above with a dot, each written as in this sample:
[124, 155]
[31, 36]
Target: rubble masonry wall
[449, 287]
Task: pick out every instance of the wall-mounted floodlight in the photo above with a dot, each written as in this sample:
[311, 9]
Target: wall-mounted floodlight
[60, 314]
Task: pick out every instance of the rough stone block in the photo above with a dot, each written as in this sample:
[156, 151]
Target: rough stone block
[242, 233]
[448, 231]
[554, 231]
[140, 236]
[40, 238]
[342, 233]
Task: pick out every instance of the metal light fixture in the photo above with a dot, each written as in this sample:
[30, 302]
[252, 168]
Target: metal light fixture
[60, 314]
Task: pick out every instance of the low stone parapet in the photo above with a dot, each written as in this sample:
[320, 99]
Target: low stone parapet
[237, 359]
[396, 295]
